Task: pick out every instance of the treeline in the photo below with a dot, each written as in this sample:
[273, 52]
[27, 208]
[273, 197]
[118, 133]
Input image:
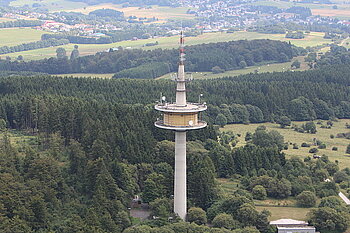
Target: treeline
[78, 39]
[336, 55]
[94, 147]
[269, 29]
[226, 55]
[33, 45]
[20, 23]
[108, 13]
[295, 35]
[303, 12]
[151, 70]
[322, 93]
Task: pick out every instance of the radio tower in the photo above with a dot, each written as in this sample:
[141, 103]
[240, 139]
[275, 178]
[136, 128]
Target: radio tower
[180, 116]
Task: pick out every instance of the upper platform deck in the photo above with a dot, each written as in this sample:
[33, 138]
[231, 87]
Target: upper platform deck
[188, 108]
[200, 125]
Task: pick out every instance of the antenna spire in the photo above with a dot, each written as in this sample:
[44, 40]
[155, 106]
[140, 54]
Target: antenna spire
[182, 48]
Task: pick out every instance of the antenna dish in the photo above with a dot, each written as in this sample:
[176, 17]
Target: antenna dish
[190, 123]
[163, 98]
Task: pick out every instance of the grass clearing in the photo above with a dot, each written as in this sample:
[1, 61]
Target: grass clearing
[279, 208]
[286, 212]
[18, 139]
[292, 136]
[16, 36]
[313, 39]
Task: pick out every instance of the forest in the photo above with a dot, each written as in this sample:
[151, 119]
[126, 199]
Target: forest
[336, 55]
[94, 147]
[226, 55]
[20, 23]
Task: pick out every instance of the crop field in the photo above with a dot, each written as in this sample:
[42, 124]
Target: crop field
[341, 4]
[336, 13]
[51, 5]
[159, 12]
[313, 39]
[16, 36]
[292, 136]
[342, 11]
[5, 19]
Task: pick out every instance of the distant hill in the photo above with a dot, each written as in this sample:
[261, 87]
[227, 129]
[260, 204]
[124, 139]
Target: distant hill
[131, 2]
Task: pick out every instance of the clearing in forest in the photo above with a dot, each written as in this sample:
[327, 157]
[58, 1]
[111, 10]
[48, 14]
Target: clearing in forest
[291, 136]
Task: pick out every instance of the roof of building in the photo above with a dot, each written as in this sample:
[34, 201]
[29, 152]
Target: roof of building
[288, 222]
[295, 228]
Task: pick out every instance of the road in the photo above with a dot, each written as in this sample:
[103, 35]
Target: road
[345, 199]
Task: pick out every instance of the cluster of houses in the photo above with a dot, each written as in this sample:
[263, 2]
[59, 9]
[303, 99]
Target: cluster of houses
[230, 13]
[217, 16]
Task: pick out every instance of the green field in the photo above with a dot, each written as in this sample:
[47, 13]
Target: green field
[285, 212]
[275, 67]
[51, 5]
[16, 36]
[313, 39]
[292, 136]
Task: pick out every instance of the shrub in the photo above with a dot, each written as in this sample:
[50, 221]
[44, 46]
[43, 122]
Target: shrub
[226, 221]
[331, 136]
[304, 144]
[259, 192]
[313, 150]
[295, 146]
[344, 185]
[340, 176]
[322, 146]
[197, 215]
[334, 148]
[306, 199]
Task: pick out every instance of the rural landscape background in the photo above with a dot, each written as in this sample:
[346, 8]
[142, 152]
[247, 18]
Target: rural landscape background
[78, 82]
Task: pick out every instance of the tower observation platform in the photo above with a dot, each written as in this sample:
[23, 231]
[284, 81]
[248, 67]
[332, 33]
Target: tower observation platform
[181, 117]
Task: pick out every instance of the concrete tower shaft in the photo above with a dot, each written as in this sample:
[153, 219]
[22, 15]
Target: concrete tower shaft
[180, 183]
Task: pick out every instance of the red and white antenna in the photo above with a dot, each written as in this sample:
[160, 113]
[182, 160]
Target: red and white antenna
[182, 48]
